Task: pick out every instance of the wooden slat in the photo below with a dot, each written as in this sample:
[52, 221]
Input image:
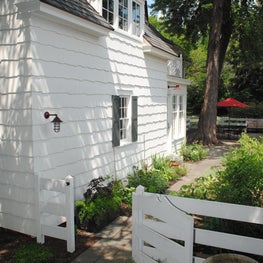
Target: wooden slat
[198, 260]
[53, 208]
[54, 231]
[166, 247]
[229, 241]
[219, 210]
[167, 230]
[141, 257]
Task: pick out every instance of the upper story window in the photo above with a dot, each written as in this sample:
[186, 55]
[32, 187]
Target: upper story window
[136, 19]
[108, 10]
[124, 14]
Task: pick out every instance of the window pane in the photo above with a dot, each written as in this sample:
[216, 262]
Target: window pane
[124, 118]
[136, 17]
[107, 10]
[123, 14]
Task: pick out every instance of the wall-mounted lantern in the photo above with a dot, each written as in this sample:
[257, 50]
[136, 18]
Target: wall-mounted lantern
[56, 121]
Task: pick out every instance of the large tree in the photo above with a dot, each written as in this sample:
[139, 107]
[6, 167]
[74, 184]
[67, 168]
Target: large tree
[194, 19]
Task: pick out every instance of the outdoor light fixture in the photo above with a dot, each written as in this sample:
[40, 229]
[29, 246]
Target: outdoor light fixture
[56, 120]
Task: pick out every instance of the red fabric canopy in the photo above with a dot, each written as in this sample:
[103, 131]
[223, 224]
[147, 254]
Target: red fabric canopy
[229, 102]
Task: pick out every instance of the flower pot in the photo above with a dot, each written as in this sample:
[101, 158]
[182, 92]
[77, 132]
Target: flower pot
[174, 163]
[229, 258]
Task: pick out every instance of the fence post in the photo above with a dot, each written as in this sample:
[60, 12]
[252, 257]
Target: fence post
[70, 213]
[39, 234]
[137, 218]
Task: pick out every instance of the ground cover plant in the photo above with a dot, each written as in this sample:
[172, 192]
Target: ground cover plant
[239, 181]
[193, 152]
[102, 204]
[157, 177]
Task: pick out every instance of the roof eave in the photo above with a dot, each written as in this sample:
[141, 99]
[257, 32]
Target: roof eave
[157, 52]
[73, 21]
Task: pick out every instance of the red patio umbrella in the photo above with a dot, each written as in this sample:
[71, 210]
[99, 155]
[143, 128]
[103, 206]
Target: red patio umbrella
[229, 102]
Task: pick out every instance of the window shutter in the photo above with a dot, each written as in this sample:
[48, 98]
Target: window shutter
[134, 118]
[115, 120]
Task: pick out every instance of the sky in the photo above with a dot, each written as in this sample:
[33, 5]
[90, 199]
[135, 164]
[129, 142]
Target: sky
[149, 2]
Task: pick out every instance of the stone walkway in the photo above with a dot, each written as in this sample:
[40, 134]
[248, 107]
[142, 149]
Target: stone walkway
[115, 243]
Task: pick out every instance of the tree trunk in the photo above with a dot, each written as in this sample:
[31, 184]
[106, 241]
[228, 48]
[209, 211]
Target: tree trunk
[218, 42]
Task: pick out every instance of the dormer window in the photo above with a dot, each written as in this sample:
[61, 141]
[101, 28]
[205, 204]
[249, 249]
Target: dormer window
[136, 19]
[108, 10]
[124, 14]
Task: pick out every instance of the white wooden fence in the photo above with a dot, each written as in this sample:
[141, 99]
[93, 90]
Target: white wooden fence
[60, 204]
[163, 228]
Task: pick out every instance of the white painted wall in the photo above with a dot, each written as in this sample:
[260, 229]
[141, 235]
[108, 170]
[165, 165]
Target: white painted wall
[16, 152]
[75, 75]
[49, 66]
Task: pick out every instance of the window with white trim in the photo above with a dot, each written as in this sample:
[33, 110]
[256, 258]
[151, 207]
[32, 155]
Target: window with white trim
[178, 115]
[136, 19]
[124, 119]
[126, 15]
[123, 14]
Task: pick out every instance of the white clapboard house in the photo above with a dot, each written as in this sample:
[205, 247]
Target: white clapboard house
[99, 67]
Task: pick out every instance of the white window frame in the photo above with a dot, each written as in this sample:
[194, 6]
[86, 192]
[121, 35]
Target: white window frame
[125, 117]
[178, 115]
[136, 18]
[133, 28]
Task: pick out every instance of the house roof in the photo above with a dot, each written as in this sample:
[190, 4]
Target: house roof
[83, 9]
[160, 42]
[80, 8]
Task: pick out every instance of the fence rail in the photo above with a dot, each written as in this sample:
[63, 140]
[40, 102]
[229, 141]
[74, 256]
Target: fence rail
[64, 190]
[163, 227]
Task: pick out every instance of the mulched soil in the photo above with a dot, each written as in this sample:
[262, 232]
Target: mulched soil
[11, 240]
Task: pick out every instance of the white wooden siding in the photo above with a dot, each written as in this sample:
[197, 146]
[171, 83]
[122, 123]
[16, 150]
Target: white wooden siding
[75, 75]
[46, 66]
[16, 155]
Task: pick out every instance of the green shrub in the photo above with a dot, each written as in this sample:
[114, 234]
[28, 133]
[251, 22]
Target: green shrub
[242, 179]
[102, 204]
[239, 181]
[33, 253]
[151, 179]
[162, 164]
[202, 188]
[193, 152]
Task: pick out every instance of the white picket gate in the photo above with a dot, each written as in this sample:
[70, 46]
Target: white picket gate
[50, 191]
[163, 228]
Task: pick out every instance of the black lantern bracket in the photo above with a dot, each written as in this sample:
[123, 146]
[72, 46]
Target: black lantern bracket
[56, 121]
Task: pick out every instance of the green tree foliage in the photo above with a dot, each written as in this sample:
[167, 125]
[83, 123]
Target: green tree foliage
[217, 19]
[246, 54]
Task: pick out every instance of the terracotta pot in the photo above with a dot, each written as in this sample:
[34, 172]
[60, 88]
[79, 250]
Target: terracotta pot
[174, 163]
[229, 258]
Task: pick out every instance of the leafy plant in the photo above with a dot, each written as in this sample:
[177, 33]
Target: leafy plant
[149, 178]
[33, 253]
[163, 165]
[201, 188]
[193, 152]
[102, 204]
[242, 179]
